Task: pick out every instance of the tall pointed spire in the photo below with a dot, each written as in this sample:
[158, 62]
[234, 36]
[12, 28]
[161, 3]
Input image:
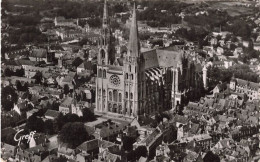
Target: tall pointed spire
[133, 45]
[105, 15]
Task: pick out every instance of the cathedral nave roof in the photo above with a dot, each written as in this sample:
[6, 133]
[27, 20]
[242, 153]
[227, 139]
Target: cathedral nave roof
[162, 58]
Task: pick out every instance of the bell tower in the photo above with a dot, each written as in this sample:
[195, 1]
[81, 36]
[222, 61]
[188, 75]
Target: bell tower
[131, 69]
[105, 39]
[103, 61]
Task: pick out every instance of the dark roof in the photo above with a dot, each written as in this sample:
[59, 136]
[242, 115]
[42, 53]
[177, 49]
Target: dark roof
[26, 62]
[251, 85]
[22, 106]
[86, 65]
[152, 137]
[7, 131]
[52, 113]
[40, 138]
[39, 53]
[120, 61]
[11, 63]
[145, 120]
[89, 145]
[94, 144]
[222, 86]
[165, 57]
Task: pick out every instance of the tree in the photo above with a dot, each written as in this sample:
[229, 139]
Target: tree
[250, 45]
[40, 112]
[128, 143]
[77, 62]
[211, 157]
[71, 118]
[48, 127]
[38, 77]
[58, 123]
[88, 115]
[66, 89]
[8, 72]
[19, 72]
[60, 159]
[25, 87]
[18, 85]
[34, 123]
[55, 105]
[73, 134]
[114, 25]
[140, 151]
[8, 98]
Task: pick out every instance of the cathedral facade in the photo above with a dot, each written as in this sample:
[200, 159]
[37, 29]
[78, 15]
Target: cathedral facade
[141, 83]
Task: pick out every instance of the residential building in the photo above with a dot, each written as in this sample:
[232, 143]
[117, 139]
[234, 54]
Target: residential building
[252, 89]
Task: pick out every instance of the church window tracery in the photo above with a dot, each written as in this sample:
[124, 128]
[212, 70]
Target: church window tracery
[110, 96]
[104, 73]
[100, 73]
[120, 97]
[102, 53]
[115, 93]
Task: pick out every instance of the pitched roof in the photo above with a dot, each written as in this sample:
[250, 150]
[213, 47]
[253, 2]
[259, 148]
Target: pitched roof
[86, 65]
[165, 57]
[152, 137]
[67, 102]
[89, 145]
[52, 113]
[39, 53]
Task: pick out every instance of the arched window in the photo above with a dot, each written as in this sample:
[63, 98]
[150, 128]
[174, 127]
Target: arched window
[100, 73]
[109, 107]
[114, 108]
[131, 95]
[126, 95]
[132, 76]
[120, 109]
[129, 68]
[115, 95]
[110, 96]
[102, 52]
[104, 92]
[120, 97]
[126, 76]
[126, 106]
[104, 73]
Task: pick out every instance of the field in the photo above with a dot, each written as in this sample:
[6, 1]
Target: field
[233, 8]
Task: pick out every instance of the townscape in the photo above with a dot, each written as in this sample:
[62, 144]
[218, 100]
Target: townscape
[137, 81]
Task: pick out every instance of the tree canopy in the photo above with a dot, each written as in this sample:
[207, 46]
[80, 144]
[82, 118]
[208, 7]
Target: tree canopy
[35, 123]
[88, 115]
[73, 134]
[9, 98]
[128, 143]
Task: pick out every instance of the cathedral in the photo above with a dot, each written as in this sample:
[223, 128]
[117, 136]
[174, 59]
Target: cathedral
[139, 83]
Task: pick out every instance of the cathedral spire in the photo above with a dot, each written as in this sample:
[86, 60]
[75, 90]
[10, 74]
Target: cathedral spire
[133, 46]
[105, 15]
